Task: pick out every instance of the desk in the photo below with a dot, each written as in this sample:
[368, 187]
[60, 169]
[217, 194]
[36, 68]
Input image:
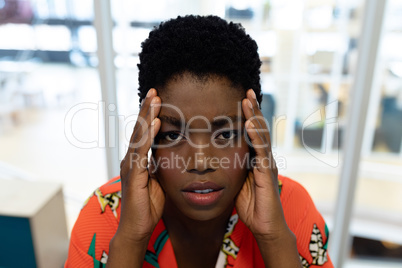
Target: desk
[33, 231]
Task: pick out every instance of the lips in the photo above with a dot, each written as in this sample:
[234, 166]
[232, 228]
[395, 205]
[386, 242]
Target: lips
[202, 194]
[202, 187]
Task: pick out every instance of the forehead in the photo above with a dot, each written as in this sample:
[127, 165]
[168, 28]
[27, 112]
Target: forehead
[187, 96]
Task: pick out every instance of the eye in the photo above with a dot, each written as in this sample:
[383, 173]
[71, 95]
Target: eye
[171, 136]
[227, 135]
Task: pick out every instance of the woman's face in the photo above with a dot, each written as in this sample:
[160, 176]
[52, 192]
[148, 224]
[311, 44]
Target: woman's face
[201, 154]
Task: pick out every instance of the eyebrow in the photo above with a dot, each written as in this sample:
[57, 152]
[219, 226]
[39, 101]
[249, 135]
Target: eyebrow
[171, 120]
[216, 123]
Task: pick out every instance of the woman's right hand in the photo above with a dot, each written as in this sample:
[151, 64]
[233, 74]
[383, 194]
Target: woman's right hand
[142, 197]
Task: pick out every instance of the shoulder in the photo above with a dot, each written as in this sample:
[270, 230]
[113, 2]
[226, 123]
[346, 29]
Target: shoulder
[112, 186]
[292, 191]
[298, 207]
[105, 200]
[104, 203]
[306, 222]
[289, 185]
[296, 203]
[95, 225]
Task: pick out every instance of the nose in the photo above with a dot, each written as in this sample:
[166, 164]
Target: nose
[200, 155]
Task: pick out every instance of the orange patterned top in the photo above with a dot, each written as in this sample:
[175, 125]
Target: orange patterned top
[99, 218]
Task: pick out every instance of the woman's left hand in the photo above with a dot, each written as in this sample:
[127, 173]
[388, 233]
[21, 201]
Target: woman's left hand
[258, 204]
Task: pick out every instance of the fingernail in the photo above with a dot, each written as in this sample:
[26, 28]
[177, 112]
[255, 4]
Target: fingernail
[149, 93]
[153, 122]
[250, 124]
[250, 104]
[253, 95]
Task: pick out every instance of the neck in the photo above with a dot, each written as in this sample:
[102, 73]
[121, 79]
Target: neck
[181, 226]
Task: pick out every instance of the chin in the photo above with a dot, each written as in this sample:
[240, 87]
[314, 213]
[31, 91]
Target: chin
[202, 216]
[206, 214]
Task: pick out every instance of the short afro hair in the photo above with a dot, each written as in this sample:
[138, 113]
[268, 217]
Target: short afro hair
[202, 46]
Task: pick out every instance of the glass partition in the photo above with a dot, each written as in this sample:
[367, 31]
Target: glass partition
[309, 52]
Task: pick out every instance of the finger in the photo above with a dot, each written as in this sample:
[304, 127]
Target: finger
[252, 110]
[147, 101]
[136, 159]
[145, 122]
[263, 161]
[149, 110]
[144, 107]
[258, 121]
[144, 110]
[263, 127]
[257, 130]
[264, 167]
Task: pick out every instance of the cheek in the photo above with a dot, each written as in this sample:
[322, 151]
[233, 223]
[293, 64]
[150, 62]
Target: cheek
[239, 164]
[168, 173]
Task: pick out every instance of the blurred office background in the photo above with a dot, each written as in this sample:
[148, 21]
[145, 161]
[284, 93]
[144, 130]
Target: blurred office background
[309, 49]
